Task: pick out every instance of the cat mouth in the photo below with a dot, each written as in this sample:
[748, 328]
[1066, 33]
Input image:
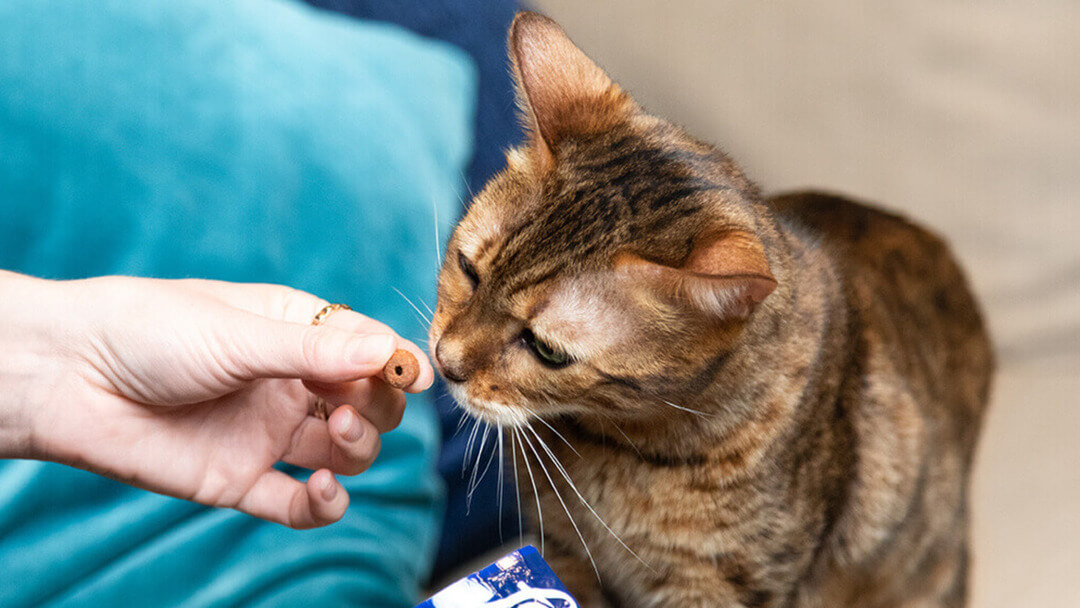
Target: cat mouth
[496, 413]
[491, 412]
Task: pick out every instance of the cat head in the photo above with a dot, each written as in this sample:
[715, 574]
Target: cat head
[608, 268]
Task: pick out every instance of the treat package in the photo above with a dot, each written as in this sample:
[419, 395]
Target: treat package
[521, 579]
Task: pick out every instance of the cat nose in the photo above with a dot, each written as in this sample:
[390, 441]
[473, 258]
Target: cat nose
[451, 363]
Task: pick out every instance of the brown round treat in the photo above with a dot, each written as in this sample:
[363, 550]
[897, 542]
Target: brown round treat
[401, 370]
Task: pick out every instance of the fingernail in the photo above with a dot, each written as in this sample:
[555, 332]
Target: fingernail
[329, 489]
[348, 426]
[372, 349]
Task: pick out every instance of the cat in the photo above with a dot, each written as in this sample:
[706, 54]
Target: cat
[713, 398]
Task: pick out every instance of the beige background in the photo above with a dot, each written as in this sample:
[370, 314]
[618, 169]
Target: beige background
[964, 115]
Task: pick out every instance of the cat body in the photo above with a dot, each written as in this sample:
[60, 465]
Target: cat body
[848, 488]
[711, 398]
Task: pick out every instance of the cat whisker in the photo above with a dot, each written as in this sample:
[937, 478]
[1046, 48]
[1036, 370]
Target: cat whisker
[445, 392]
[426, 307]
[555, 489]
[566, 476]
[462, 204]
[438, 241]
[686, 409]
[517, 486]
[476, 468]
[472, 446]
[468, 188]
[465, 454]
[491, 458]
[461, 424]
[457, 431]
[415, 339]
[557, 433]
[627, 438]
[500, 483]
[414, 307]
[469, 446]
[532, 480]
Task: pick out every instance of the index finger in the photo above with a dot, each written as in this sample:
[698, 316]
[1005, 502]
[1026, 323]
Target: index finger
[352, 321]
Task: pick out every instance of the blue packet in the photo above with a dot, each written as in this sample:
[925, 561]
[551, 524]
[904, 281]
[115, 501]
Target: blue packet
[521, 579]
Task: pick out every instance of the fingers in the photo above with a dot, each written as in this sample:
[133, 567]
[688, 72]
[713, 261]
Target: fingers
[279, 498]
[276, 302]
[373, 399]
[356, 441]
[282, 316]
[348, 320]
[346, 444]
[257, 347]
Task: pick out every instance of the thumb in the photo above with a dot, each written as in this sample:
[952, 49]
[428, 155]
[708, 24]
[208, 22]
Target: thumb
[265, 348]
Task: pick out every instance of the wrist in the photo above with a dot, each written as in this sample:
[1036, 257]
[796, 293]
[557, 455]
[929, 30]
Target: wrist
[16, 377]
[30, 361]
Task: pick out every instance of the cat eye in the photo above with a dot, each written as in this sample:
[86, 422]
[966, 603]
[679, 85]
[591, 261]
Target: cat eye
[547, 354]
[468, 269]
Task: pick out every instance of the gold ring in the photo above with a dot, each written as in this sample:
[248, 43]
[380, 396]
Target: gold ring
[322, 408]
[327, 311]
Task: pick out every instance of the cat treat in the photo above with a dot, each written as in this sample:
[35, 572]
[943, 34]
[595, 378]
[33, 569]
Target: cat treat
[401, 370]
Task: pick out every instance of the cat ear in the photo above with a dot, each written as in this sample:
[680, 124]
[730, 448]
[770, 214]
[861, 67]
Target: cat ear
[560, 90]
[726, 276]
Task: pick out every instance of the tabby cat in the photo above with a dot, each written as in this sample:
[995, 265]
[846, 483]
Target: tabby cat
[713, 398]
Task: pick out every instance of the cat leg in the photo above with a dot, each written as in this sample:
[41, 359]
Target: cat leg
[940, 582]
[948, 581]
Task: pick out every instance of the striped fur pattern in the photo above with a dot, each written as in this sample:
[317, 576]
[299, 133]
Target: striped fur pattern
[710, 398]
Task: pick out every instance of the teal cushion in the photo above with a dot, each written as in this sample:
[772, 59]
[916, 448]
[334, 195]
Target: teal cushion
[243, 140]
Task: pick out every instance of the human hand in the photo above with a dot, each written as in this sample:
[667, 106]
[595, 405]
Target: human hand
[196, 389]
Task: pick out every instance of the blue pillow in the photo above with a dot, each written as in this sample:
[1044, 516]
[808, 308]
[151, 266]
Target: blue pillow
[244, 140]
[479, 27]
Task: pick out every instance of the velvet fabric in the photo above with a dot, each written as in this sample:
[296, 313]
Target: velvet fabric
[245, 141]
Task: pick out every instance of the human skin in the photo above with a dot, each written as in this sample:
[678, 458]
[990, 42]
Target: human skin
[196, 388]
